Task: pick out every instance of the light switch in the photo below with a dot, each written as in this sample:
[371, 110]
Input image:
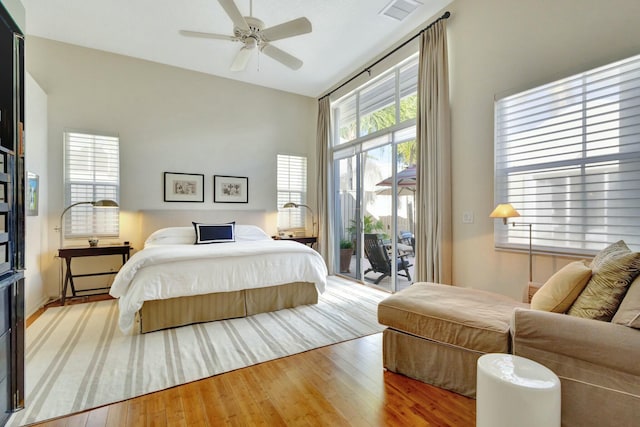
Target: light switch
[467, 217]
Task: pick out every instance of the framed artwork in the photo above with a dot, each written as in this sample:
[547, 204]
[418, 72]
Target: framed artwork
[183, 187]
[230, 189]
[33, 194]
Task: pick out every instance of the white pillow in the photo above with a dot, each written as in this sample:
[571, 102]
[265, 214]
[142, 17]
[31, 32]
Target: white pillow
[187, 235]
[247, 233]
[172, 236]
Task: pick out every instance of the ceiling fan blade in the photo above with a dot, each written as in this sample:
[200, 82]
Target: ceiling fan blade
[236, 17]
[281, 56]
[208, 35]
[286, 29]
[241, 59]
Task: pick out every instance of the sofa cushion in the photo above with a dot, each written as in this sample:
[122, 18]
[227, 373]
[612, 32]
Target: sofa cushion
[628, 313]
[614, 268]
[463, 317]
[562, 289]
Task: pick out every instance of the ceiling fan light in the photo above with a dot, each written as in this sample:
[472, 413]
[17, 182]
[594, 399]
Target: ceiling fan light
[250, 42]
[251, 32]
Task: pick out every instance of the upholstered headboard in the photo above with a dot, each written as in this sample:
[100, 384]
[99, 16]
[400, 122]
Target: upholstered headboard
[155, 219]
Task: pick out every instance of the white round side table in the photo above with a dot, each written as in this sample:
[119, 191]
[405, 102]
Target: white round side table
[515, 391]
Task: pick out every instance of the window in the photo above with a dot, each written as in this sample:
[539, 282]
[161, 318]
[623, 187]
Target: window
[292, 187]
[91, 173]
[373, 141]
[388, 102]
[567, 157]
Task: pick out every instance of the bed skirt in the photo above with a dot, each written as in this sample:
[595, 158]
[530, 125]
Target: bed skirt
[173, 312]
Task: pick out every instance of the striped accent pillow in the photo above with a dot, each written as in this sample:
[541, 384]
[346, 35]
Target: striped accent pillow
[628, 313]
[614, 268]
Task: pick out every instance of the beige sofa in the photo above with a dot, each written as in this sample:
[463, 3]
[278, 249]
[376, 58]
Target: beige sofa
[436, 334]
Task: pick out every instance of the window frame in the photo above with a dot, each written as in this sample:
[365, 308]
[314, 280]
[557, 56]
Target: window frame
[83, 220]
[573, 138]
[294, 191]
[406, 70]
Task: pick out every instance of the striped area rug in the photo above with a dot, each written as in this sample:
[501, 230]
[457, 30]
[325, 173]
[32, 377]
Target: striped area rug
[77, 358]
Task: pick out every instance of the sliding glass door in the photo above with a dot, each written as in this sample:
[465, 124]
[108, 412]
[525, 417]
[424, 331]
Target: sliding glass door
[347, 202]
[374, 216]
[373, 149]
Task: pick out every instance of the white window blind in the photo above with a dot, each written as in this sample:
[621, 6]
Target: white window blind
[292, 187]
[91, 173]
[567, 157]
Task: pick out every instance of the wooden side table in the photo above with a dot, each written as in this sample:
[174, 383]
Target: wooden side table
[530, 290]
[309, 241]
[85, 251]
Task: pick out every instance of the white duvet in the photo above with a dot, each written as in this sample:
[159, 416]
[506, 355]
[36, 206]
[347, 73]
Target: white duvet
[175, 270]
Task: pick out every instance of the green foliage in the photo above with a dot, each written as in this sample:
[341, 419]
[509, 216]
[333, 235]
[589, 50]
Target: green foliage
[408, 108]
[346, 244]
[381, 119]
[407, 152]
[369, 225]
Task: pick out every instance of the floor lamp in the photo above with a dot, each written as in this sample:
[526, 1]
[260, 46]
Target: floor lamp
[313, 220]
[96, 204]
[504, 211]
[105, 203]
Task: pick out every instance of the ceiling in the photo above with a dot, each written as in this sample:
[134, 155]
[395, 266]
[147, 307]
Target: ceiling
[347, 35]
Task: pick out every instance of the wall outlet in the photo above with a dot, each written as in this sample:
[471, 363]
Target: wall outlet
[467, 217]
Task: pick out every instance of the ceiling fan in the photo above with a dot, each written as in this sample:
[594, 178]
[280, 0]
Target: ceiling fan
[251, 32]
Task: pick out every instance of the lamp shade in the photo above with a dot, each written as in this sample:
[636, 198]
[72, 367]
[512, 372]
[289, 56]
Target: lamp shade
[299, 205]
[106, 203]
[504, 210]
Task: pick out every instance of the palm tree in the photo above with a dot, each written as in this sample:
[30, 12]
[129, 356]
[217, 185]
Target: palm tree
[407, 152]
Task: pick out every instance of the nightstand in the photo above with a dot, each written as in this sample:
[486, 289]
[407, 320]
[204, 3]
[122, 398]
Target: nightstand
[88, 251]
[309, 241]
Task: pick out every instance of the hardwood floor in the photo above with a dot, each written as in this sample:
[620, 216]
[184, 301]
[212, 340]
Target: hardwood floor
[338, 385]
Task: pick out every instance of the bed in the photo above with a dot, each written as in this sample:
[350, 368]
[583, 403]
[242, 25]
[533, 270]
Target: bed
[174, 282]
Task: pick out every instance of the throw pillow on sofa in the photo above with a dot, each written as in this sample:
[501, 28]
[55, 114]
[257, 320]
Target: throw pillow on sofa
[614, 268]
[628, 313]
[562, 289]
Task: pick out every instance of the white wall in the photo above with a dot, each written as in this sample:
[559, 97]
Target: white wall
[501, 45]
[37, 257]
[168, 119]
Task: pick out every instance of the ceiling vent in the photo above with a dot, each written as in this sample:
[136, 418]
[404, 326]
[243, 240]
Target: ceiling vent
[400, 9]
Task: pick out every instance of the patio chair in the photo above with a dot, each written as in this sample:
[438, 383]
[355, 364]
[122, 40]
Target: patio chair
[377, 254]
[406, 238]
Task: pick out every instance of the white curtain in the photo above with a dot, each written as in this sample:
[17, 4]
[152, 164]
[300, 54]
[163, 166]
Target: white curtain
[434, 235]
[324, 173]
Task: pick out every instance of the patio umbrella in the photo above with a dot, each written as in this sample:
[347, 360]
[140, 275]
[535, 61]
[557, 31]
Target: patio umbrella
[404, 190]
[405, 178]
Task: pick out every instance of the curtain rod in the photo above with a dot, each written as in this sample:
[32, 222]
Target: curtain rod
[445, 15]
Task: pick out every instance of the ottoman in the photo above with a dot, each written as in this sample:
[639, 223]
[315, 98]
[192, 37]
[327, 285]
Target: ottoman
[436, 333]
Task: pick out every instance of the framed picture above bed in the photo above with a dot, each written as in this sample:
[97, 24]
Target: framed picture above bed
[230, 189]
[183, 187]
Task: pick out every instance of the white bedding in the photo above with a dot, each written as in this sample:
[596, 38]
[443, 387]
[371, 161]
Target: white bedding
[170, 267]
